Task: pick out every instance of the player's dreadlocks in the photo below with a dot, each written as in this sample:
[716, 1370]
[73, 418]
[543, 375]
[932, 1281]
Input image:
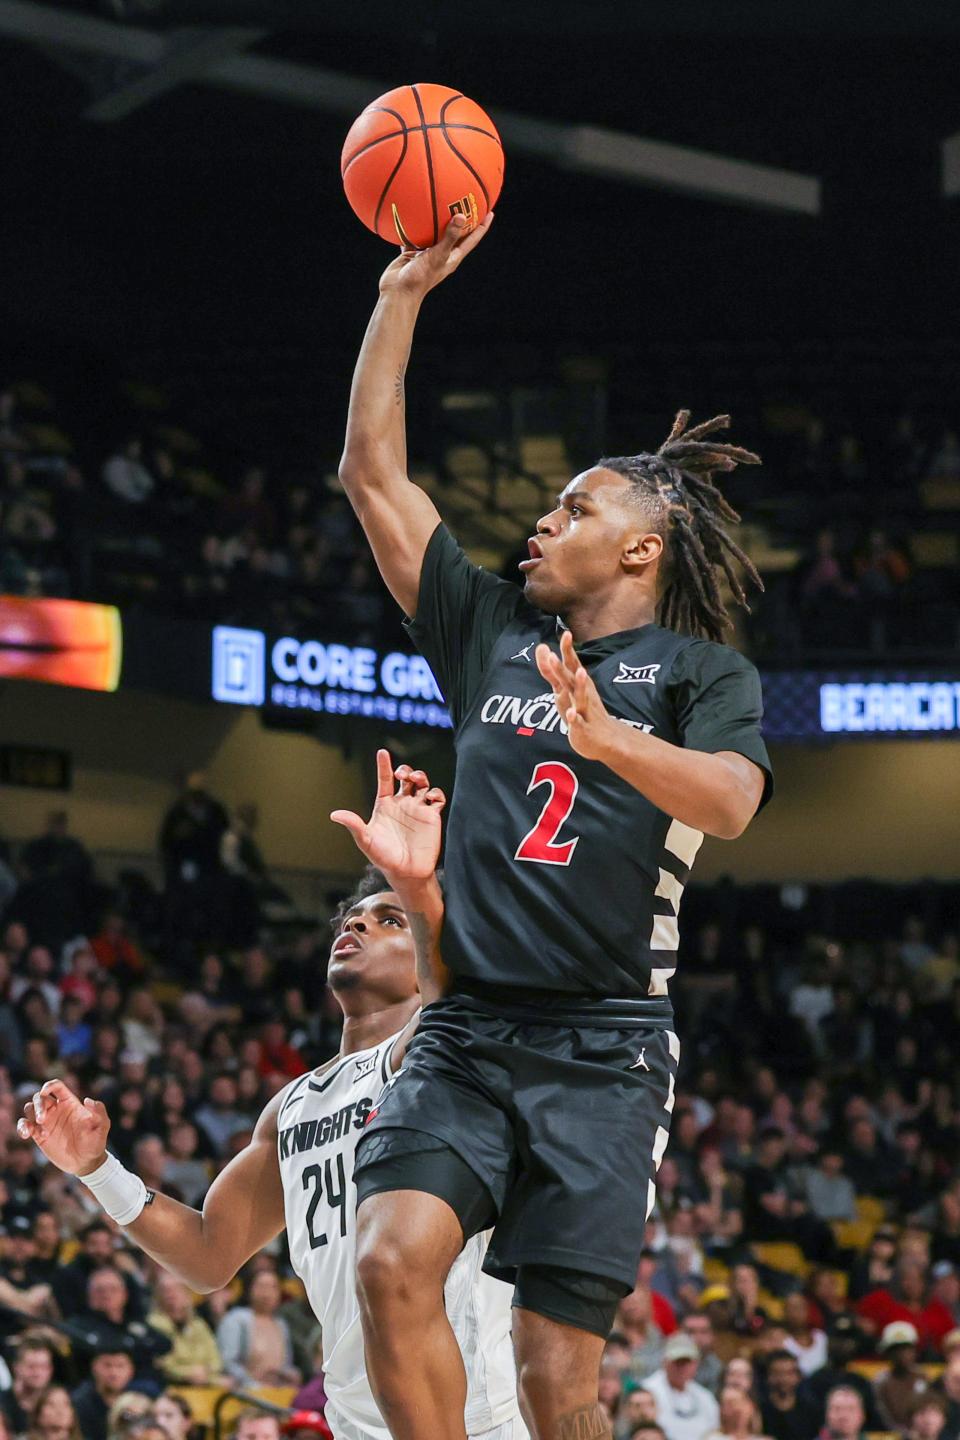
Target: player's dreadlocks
[690, 512]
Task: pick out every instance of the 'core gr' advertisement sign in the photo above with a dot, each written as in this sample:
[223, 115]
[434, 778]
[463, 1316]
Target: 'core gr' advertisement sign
[324, 677]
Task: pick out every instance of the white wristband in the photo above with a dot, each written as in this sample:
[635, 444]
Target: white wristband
[121, 1193]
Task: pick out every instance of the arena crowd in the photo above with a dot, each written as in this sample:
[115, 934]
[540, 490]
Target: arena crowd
[157, 519]
[808, 1211]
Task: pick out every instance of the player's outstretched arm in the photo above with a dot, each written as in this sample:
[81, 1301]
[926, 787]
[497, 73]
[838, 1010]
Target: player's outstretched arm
[205, 1248]
[402, 839]
[397, 516]
[716, 793]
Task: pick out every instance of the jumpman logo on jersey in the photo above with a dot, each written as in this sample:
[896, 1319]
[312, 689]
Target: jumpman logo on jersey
[641, 1062]
[524, 654]
[636, 675]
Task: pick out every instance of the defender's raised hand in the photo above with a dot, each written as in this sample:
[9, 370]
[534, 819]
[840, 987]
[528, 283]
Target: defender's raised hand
[590, 725]
[402, 836]
[70, 1132]
[418, 271]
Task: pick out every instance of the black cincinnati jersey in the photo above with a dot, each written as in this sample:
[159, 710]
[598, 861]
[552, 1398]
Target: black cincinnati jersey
[558, 874]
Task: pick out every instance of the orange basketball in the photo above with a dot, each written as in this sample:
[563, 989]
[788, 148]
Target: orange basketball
[417, 156]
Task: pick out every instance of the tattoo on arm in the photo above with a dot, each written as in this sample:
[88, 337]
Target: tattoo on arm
[586, 1423]
[398, 384]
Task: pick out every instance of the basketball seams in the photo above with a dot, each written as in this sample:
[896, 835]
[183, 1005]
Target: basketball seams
[459, 154]
[411, 129]
[429, 155]
[393, 175]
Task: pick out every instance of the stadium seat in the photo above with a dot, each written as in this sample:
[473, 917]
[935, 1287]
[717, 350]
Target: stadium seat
[782, 1255]
[203, 1398]
[853, 1234]
[871, 1209]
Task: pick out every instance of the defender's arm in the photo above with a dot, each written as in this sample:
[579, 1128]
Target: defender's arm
[242, 1212]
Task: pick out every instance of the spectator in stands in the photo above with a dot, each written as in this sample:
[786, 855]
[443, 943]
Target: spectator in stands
[173, 1414]
[150, 1162]
[938, 1316]
[20, 1178]
[807, 1343]
[929, 1418]
[112, 1319]
[22, 1283]
[47, 1246]
[686, 1410]
[190, 848]
[126, 476]
[194, 1358]
[875, 1270]
[828, 1193]
[279, 1061]
[184, 1172]
[845, 1414]
[845, 1341]
[643, 1335]
[881, 569]
[824, 580]
[56, 893]
[785, 1414]
[739, 1373]
[111, 1372]
[244, 877]
[34, 1366]
[699, 1327]
[96, 1250]
[37, 975]
[898, 1387]
[255, 1425]
[74, 1032]
[248, 508]
[844, 1036]
[947, 1386]
[637, 1408]
[126, 1414]
[219, 1119]
[54, 1417]
[115, 950]
[749, 1316]
[867, 1159]
[905, 1302]
[739, 1416]
[254, 1342]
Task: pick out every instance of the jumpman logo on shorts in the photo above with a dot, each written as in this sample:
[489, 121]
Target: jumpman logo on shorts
[641, 1061]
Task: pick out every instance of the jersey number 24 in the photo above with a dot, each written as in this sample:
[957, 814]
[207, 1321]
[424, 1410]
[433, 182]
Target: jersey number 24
[321, 1178]
[540, 844]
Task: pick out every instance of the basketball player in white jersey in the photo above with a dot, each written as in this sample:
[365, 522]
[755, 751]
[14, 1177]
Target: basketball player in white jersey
[298, 1170]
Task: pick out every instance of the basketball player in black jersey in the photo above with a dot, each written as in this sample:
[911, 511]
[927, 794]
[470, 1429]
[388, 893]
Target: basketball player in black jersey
[601, 732]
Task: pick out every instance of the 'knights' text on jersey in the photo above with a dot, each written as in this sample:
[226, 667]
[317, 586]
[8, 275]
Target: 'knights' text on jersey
[558, 874]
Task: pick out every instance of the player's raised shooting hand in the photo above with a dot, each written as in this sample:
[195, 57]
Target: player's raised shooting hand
[402, 836]
[415, 272]
[590, 726]
[70, 1132]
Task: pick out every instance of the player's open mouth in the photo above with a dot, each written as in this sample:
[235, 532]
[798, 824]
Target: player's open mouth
[536, 555]
[346, 945]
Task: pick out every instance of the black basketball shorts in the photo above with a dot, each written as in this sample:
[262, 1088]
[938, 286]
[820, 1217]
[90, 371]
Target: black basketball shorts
[563, 1116]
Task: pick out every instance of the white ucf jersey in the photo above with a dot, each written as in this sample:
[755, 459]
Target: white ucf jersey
[319, 1123]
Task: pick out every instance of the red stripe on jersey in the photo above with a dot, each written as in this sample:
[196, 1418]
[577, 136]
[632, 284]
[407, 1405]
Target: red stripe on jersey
[522, 730]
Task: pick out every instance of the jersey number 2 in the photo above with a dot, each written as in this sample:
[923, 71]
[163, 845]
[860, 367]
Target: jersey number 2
[317, 1175]
[540, 843]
